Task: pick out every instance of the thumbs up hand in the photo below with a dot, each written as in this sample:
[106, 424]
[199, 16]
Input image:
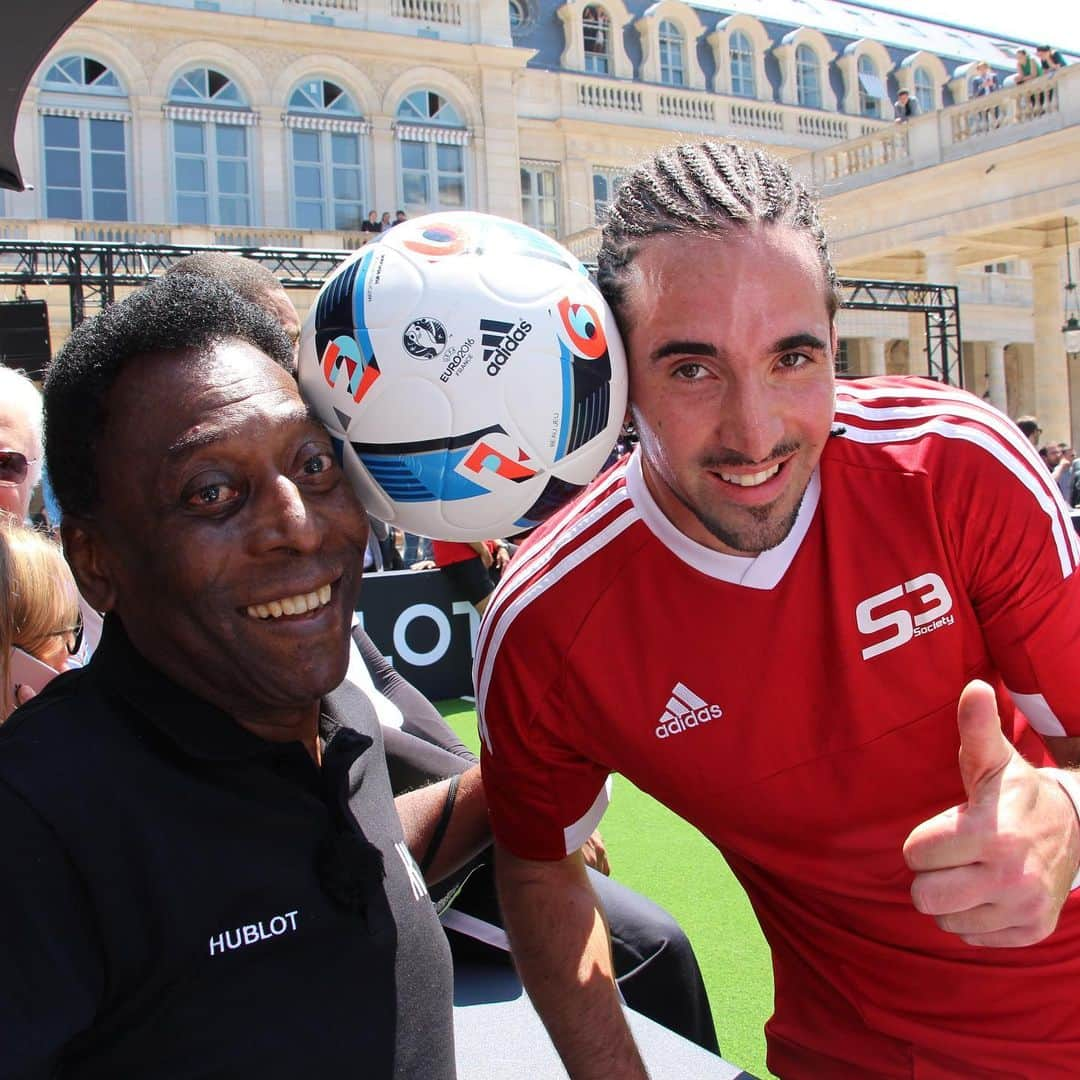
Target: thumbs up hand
[995, 870]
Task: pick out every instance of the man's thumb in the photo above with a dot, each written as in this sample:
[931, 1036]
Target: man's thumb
[984, 750]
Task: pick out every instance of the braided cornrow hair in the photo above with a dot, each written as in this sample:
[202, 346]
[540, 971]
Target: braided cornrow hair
[705, 187]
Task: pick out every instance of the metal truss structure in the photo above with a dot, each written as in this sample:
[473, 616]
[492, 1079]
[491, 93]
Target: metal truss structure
[93, 271]
[940, 306]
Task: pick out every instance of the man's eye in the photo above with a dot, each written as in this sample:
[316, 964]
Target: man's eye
[689, 371]
[211, 495]
[319, 463]
[795, 360]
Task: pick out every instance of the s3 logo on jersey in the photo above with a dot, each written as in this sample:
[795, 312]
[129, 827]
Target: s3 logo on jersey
[925, 608]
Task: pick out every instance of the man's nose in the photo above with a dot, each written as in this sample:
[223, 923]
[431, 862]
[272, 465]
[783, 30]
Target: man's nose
[752, 424]
[285, 521]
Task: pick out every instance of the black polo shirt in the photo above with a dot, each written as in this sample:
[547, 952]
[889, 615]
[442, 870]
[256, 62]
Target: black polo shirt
[179, 898]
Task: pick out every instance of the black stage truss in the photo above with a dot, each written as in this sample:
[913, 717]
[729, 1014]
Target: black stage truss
[92, 273]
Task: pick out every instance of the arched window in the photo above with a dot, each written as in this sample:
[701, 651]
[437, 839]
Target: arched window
[82, 75]
[596, 34]
[605, 186]
[672, 58]
[924, 90]
[517, 13]
[871, 89]
[741, 54]
[431, 140]
[327, 157]
[211, 149]
[84, 148]
[807, 77]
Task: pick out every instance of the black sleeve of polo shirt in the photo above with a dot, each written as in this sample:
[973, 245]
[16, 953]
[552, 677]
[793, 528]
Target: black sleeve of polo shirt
[52, 973]
[421, 718]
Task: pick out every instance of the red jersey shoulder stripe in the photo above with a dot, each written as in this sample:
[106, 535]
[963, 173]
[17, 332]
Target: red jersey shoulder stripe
[580, 536]
[898, 413]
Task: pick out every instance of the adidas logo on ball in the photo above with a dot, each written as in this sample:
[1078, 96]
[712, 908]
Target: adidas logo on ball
[499, 340]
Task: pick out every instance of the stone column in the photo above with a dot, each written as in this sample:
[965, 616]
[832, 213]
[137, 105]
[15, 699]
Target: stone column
[939, 269]
[995, 375]
[384, 194]
[875, 356]
[1051, 369]
[269, 140]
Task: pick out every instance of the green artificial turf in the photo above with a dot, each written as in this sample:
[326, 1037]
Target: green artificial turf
[657, 854]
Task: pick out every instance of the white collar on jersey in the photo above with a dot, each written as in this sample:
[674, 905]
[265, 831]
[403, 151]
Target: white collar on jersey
[762, 571]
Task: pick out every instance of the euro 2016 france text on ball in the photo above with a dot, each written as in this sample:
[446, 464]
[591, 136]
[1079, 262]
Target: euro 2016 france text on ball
[469, 372]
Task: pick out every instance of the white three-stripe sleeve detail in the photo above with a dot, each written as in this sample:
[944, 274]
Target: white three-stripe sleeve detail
[575, 835]
[518, 570]
[526, 596]
[519, 566]
[947, 401]
[1037, 709]
[1064, 544]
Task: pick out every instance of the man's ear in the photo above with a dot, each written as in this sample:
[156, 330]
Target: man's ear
[87, 556]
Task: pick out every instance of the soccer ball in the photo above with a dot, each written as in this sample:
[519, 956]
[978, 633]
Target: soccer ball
[469, 372]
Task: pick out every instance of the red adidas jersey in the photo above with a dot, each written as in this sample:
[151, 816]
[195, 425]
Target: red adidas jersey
[799, 708]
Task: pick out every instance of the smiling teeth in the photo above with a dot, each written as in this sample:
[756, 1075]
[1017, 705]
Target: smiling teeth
[751, 480]
[291, 605]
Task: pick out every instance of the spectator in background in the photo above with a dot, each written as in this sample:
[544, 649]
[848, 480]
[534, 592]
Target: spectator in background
[1063, 471]
[399, 217]
[905, 107]
[473, 568]
[20, 442]
[39, 607]
[984, 81]
[1027, 67]
[1030, 427]
[251, 280]
[385, 223]
[372, 223]
[1049, 59]
[1050, 455]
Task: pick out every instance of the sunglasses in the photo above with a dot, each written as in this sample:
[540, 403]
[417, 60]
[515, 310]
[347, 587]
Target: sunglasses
[73, 644]
[14, 467]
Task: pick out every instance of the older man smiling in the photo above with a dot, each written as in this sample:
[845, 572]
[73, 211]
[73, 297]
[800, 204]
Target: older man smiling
[195, 831]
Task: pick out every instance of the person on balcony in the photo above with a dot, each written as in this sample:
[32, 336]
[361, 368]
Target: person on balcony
[905, 107]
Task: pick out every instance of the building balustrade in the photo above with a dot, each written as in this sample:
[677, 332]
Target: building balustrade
[124, 232]
[707, 113]
[1034, 108]
[428, 11]
[328, 5]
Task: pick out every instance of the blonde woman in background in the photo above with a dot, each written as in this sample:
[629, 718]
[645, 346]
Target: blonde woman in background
[39, 607]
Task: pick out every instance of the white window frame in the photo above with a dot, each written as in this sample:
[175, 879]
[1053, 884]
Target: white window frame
[442, 127]
[210, 115]
[341, 119]
[741, 65]
[613, 179]
[672, 47]
[533, 201]
[793, 87]
[803, 69]
[755, 35]
[925, 88]
[74, 96]
[869, 104]
[85, 150]
[597, 62]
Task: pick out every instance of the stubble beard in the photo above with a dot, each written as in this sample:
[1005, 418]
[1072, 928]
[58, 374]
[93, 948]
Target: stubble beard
[756, 537]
